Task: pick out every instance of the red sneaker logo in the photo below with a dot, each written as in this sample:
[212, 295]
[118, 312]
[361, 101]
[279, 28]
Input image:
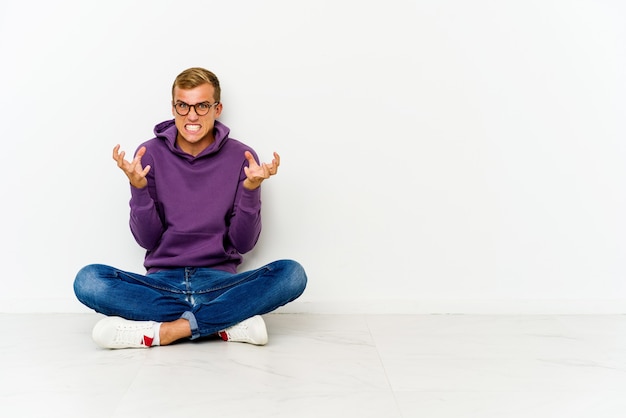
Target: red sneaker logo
[147, 341]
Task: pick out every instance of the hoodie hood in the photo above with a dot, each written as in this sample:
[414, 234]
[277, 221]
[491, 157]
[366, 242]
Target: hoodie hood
[167, 132]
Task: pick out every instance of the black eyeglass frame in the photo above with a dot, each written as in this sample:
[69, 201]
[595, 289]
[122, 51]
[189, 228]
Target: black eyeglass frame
[195, 109]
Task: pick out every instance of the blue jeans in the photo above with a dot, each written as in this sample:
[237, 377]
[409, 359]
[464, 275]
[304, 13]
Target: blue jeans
[211, 300]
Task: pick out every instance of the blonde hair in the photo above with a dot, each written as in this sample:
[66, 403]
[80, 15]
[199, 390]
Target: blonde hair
[194, 77]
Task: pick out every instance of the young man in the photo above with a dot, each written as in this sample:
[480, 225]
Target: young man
[195, 207]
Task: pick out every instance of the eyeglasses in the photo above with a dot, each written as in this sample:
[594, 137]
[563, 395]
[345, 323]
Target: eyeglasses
[201, 109]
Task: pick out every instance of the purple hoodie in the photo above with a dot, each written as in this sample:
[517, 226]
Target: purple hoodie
[195, 211]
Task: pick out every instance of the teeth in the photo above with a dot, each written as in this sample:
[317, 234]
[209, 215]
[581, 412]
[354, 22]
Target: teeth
[193, 127]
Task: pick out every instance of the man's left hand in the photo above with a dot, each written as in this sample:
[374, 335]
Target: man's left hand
[256, 173]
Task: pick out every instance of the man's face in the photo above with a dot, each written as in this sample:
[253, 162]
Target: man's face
[195, 132]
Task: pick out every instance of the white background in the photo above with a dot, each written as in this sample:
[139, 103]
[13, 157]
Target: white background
[437, 156]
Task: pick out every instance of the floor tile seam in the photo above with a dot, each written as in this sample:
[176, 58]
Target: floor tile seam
[305, 392]
[382, 364]
[127, 391]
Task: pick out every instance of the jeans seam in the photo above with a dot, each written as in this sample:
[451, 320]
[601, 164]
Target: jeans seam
[231, 284]
[149, 284]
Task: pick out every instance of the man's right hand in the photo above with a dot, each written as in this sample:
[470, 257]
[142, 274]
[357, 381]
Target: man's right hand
[133, 170]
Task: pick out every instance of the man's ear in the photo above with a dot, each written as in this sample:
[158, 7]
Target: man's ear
[218, 110]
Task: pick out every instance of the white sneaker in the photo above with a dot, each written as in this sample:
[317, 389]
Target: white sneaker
[116, 332]
[251, 331]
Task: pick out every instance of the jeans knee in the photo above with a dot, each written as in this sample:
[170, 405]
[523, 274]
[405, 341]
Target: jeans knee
[88, 282]
[297, 276]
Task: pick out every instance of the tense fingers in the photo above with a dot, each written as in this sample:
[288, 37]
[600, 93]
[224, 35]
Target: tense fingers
[133, 169]
[117, 155]
[255, 173]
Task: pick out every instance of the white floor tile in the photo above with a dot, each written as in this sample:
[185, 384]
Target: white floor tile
[325, 365]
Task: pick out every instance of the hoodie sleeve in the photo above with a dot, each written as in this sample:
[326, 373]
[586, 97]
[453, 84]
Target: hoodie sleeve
[145, 221]
[245, 222]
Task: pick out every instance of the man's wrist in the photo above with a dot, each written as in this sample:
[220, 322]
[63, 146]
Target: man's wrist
[247, 184]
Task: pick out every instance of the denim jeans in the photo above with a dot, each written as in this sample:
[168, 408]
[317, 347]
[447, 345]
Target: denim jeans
[211, 300]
